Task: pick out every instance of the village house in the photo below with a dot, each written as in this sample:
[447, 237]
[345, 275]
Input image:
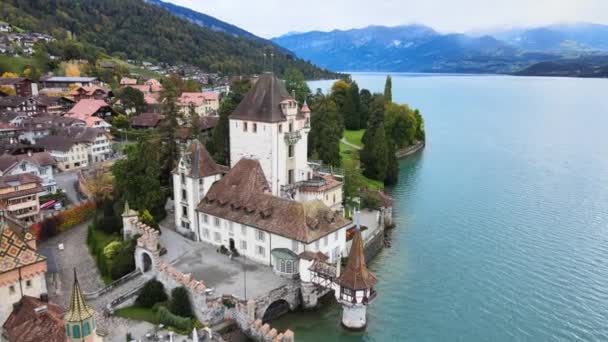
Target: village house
[5, 27]
[31, 129]
[35, 319]
[127, 81]
[68, 153]
[64, 82]
[22, 268]
[8, 133]
[98, 142]
[23, 86]
[93, 112]
[146, 121]
[39, 164]
[27, 105]
[19, 195]
[203, 103]
[89, 92]
[54, 104]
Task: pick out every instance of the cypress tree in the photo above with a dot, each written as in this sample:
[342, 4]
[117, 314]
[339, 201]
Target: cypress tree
[388, 89]
[220, 138]
[376, 163]
[365, 97]
[392, 169]
[180, 302]
[325, 132]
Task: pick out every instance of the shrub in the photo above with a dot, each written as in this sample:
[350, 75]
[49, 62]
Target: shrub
[167, 318]
[110, 224]
[180, 302]
[111, 249]
[76, 215]
[148, 219]
[124, 262]
[153, 292]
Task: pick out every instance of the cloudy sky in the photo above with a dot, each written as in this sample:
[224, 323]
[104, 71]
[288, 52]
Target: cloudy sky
[269, 18]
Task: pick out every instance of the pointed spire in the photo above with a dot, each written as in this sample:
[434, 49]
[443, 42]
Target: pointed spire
[128, 211]
[305, 108]
[79, 310]
[356, 276]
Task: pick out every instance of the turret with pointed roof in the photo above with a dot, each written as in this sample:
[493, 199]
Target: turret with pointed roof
[79, 318]
[356, 286]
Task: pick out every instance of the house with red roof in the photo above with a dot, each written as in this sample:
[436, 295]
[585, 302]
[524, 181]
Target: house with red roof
[203, 103]
[93, 112]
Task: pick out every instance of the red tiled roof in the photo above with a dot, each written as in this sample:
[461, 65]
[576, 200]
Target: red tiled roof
[87, 107]
[25, 324]
[197, 99]
[356, 276]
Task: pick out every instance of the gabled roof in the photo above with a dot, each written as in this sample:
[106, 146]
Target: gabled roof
[56, 143]
[14, 252]
[8, 161]
[200, 162]
[262, 102]
[146, 120]
[356, 276]
[12, 101]
[87, 107]
[197, 99]
[69, 79]
[80, 133]
[79, 310]
[243, 196]
[34, 320]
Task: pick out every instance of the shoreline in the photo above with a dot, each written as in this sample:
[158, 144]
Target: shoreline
[410, 150]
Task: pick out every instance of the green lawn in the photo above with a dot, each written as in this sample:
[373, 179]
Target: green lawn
[350, 157]
[354, 137]
[138, 313]
[14, 64]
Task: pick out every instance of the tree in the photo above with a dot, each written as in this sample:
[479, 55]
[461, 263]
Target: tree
[9, 74]
[8, 90]
[131, 99]
[374, 155]
[339, 94]
[365, 97]
[180, 302]
[120, 121]
[123, 262]
[401, 124]
[388, 89]
[168, 146]
[195, 124]
[376, 117]
[71, 70]
[325, 133]
[352, 108]
[137, 178]
[153, 292]
[353, 180]
[296, 84]
[146, 218]
[392, 168]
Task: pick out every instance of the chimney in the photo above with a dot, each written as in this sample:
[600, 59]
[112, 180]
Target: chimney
[41, 309]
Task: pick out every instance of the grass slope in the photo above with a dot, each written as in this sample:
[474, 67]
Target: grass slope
[350, 156]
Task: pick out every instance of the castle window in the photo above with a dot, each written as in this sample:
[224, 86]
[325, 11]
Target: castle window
[183, 179]
[200, 181]
[261, 250]
[11, 289]
[86, 329]
[260, 235]
[255, 128]
[291, 126]
[28, 283]
[290, 151]
[217, 221]
[243, 245]
[76, 331]
[205, 218]
[184, 211]
[184, 194]
[280, 128]
[244, 127]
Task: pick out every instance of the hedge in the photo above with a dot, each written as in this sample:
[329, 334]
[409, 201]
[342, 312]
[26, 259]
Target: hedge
[113, 268]
[183, 324]
[63, 221]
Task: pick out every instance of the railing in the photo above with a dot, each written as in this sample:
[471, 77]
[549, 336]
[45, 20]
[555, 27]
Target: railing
[319, 167]
[113, 285]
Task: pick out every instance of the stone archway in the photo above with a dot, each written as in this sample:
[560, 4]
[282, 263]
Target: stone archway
[146, 262]
[275, 310]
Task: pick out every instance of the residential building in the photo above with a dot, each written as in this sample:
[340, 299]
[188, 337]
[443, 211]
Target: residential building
[5, 27]
[99, 147]
[146, 120]
[23, 87]
[22, 268]
[93, 112]
[68, 153]
[54, 104]
[89, 92]
[35, 319]
[19, 195]
[31, 129]
[39, 164]
[192, 178]
[12, 118]
[64, 82]
[203, 103]
[127, 81]
[27, 105]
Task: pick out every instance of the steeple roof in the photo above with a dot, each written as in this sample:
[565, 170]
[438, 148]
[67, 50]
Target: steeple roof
[79, 310]
[262, 102]
[356, 276]
[201, 163]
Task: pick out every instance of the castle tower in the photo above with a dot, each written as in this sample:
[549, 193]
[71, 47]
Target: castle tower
[269, 126]
[79, 319]
[356, 287]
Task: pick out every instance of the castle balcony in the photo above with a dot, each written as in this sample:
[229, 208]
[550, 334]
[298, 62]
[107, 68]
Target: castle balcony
[291, 138]
[322, 169]
[289, 190]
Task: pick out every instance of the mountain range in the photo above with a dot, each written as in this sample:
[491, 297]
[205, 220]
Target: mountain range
[152, 31]
[418, 48]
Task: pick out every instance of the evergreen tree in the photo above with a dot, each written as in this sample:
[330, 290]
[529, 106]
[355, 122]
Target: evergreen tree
[195, 124]
[376, 161]
[153, 292]
[388, 89]
[352, 108]
[392, 169]
[376, 116]
[325, 133]
[296, 84]
[365, 97]
[180, 304]
[168, 144]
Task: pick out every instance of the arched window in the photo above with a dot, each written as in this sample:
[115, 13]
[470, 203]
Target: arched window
[76, 331]
[282, 266]
[67, 330]
[86, 329]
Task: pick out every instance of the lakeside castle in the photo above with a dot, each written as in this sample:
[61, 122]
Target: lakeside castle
[274, 206]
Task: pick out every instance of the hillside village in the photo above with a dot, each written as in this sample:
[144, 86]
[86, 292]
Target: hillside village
[205, 211]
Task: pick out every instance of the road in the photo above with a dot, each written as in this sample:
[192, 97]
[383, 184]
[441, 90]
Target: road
[68, 181]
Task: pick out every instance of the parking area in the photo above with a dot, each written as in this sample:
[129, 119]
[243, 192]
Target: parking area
[237, 276]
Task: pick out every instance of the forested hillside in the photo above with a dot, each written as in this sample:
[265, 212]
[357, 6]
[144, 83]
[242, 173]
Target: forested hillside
[137, 30]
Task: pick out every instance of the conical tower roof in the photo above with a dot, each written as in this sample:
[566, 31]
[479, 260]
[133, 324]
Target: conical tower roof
[79, 310]
[356, 276]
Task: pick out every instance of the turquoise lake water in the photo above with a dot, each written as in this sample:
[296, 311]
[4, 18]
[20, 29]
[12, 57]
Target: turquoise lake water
[502, 221]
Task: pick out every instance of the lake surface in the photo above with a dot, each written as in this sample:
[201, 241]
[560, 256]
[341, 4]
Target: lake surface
[502, 221]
